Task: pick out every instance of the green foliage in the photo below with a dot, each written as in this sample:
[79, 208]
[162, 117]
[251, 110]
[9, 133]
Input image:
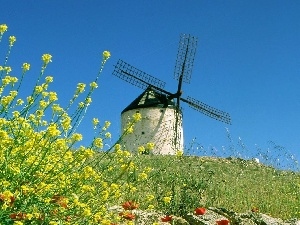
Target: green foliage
[231, 183]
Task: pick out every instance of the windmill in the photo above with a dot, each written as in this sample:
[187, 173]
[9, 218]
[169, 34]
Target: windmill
[155, 97]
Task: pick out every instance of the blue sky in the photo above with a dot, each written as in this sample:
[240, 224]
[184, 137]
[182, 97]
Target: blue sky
[247, 61]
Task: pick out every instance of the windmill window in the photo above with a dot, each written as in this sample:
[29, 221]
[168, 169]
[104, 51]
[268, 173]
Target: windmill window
[161, 110]
[143, 132]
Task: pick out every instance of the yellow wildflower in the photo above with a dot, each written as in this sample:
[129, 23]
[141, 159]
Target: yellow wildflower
[88, 100]
[20, 102]
[46, 58]
[52, 96]
[53, 131]
[143, 176]
[117, 147]
[137, 117]
[80, 87]
[29, 216]
[106, 55]
[167, 199]
[7, 69]
[141, 149]
[98, 143]
[25, 67]
[49, 79]
[19, 223]
[106, 125]
[149, 198]
[3, 28]
[108, 135]
[179, 153]
[53, 223]
[93, 85]
[95, 121]
[12, 40]
[5, 183]
[150, 207]
[38, 89]
[76, 137]
[129, 129]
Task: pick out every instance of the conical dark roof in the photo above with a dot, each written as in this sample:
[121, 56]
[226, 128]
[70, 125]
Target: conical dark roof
[150, 98]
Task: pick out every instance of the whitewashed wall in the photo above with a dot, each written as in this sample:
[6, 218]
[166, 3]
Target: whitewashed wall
[157, 126]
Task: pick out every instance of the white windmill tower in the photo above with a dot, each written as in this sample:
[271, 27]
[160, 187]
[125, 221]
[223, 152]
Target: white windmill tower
[161, 122]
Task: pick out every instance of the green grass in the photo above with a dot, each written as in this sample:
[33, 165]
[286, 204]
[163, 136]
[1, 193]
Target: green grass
[232, 183]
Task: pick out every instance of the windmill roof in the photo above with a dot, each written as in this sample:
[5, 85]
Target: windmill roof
[150, 98]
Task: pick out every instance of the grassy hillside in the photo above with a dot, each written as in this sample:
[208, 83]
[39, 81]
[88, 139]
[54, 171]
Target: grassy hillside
[232, 183]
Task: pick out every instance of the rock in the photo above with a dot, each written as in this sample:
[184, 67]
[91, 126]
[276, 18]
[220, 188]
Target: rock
[210, 217]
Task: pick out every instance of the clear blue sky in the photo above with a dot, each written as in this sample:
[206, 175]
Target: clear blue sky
[247, 61]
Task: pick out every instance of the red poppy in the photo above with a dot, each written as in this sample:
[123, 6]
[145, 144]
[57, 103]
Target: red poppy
[200, 211]
[167, 218]
[127, 216]
[130, 205]
[222, 222]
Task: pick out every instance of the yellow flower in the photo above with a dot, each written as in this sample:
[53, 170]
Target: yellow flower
[12, 40]
[25, 67]
[149, 198]
[53, 223]
[49, 79]
[167, 199]
[150, 207]
[19, 223]
[52, 96]
[105, 195]
[5, 183]
[137, 117]
[95, 121]
[106, 125]
[88, 153]
[141, 149]
[106, 55]
[52, 130]
[93, 85]
[149, 146]
[46, 58]
[88, 100]
[38, 89]
[29, 216]
[80, 87]
[7, 68]
[98, 143]
[3, 28]
[108, 135]
[117, 147]
[76, 137]
[129, 129]
[179, 153]
[143, 176]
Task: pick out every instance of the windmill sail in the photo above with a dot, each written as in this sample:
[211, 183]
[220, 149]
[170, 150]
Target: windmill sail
[207, 110]
[185, 58]
[136, 77]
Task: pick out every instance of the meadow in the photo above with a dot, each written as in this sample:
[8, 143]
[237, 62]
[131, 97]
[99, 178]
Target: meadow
[47, 177]
[232, 183]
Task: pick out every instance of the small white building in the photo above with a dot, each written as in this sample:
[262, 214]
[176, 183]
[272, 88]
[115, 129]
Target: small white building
[158, 124]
